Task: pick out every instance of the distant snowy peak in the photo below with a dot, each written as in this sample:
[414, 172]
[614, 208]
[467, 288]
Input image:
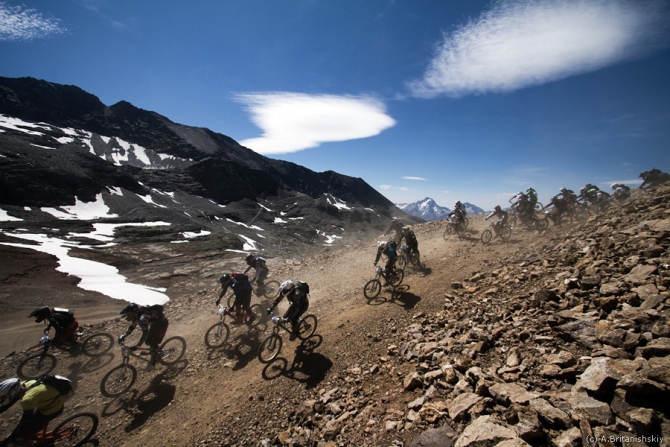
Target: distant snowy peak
[427, 209]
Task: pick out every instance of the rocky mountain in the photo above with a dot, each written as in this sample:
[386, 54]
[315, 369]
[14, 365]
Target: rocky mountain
[61, 147]
[428, 210]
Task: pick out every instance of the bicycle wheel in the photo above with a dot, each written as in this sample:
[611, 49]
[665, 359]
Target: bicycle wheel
[97, 344]
[230, 301]
[466, 222]
[172, 350]
[269, 348]
[396, 279]
[75, 430]
[539, 206]
[416, 262]
[372, 289]
[258, 313]
[118, 380]
[512, 221]
[448, 232]
[486, 237]
[402, 261]
[505, 232]
[565, 219]
[271, 289]
[307, 326]
[542, 224]
[217, 335]
[36, 366]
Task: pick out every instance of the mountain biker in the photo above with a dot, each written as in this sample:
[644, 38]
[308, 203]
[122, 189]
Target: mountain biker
[501, 214]
[153, 324]
[411, 241]
[532, 197]
[621, 191]
[390, 250]
[653, 177]
[568, 195]
[257, 263]
[396, 225]
[62, 320]
[41, 403]
[241, 286]
[590, 193]
[459, 212]
[560, 204]
[299, 304]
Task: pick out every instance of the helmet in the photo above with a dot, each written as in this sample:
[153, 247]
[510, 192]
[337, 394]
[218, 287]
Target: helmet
[131, 311]
[40, 314]
[564, 190]
[381, 244]
[224, 279]
[249, 258]
[9, 391]
[497, 208]
[286, 287]
[458, 203]
[405, 230]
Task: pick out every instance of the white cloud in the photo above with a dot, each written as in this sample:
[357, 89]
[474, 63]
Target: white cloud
[293, 122]
[517, 44]
[414, 178]
[19, 23]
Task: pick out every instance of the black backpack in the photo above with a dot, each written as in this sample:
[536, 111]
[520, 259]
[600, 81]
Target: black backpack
[60, 383]
[302, 286]
[64, 316]
[155, 312]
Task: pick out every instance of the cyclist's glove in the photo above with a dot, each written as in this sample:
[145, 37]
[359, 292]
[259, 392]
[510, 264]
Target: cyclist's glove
[217, 302]
[269, 310]
[121, 338]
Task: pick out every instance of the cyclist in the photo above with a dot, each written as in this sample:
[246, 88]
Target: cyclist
[62, 320]
[241, 286]
[257, 263]
[458, 211]
[153, 324]
[560, 204]
[532, 197]
[653, 177]
[411, 241]
[390, 250]
[299, 304]
[396, 225]
[568, 195]
[41, 403]
[501, 214]
[621, 191]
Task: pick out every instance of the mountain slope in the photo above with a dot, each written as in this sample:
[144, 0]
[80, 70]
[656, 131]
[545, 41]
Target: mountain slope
[428, 210]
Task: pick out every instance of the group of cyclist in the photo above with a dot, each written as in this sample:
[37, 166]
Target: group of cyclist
[404, 235]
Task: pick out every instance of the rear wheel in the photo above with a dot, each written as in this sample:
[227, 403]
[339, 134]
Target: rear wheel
[75, 430]
[565, 219]
[512, 221]
[217, 335]
[397, 277]
[269, 348]
[402, 261]
[36, 366]
[538, 206]
[257, 312]
[486, 237]
[271, 289]
[505, 232]
[172, 350]
[466, 222]
[118, 380]
[542, 224]
[307, 326]
[97, 344]
[372, 289]
[416, 262]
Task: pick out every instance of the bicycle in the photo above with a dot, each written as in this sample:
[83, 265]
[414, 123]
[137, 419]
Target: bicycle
[500, 230]
[406, 258]
[271, 346]
[36, 365]
[374, 286]
[530, 221]
[454, 226]
[75, 430]
[120, 378]
[218, 334]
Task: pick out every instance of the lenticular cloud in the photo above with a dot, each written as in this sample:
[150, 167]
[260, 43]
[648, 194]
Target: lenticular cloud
[17, 23]
[292, 122]
[523, 43]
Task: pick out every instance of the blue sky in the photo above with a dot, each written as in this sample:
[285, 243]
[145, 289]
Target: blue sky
[456, 100]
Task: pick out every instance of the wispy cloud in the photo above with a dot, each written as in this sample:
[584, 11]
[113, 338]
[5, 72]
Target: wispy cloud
[293, 122]
[522, 43]
[414, 178]
[19, 23]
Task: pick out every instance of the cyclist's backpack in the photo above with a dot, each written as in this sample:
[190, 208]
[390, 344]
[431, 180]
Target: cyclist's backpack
[239, 277]
[60, 383]
[64, 316]
[302, 286]
[155, 312]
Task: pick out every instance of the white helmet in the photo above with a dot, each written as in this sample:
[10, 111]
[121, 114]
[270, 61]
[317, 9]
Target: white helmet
[286, 287]
[382, 244]
[9, 390]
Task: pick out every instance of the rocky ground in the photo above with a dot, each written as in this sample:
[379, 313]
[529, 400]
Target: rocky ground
[554, 339]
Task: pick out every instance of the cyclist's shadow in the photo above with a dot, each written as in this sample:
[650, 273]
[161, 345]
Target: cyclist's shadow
[243, 348]
[308, 367]
[401, 296]
[153, 399]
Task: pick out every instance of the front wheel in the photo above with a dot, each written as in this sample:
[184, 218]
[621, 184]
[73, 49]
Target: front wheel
[542, 224]
[257, 312]
[397, 277]
[372, 289]
[448, 232]
[486, 237]
[539, 206]
[118, 380]
[217, 335]
[97, 344]
[271, 289]
[505, 232]
[36, 366]
[75, 430]
[307, 327]
[269, 348]
[172, 350]
[402, 261]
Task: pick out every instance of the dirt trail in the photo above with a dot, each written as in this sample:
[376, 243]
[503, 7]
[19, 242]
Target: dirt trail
[227, 394]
